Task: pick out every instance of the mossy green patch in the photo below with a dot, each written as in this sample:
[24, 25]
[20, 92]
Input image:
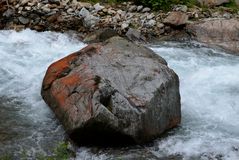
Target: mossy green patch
[232, 5]
[61, 152]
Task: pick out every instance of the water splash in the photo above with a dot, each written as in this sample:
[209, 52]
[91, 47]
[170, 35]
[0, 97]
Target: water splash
[209, 82]
[26, 122]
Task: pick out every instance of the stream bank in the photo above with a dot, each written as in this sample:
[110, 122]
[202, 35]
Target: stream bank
[83, 18]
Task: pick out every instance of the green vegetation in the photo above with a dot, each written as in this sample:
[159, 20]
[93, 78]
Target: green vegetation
[166, 4]
[6, 157]
[61, 152]
[232, 5]
[155, 4]
[104, 1]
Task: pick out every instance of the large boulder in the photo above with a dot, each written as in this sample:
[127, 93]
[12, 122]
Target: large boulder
[114, 91]
[221, 33]
[211, 3]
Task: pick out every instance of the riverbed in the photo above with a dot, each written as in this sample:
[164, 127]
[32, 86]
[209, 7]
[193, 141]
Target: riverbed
[209, 87]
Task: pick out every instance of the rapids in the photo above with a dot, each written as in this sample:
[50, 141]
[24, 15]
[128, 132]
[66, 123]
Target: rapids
[209, 86]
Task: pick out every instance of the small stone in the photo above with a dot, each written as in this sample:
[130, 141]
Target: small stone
[182, 8]
[84, 12]
[52, 18]
[23, 2]
[124, 25]
[31, 4]
[36, 20]
[17, 6]
[70, 11]
[133, 34]
[133, 8]
[139, 8]
[111, 12]
[176, 19]
[9, 13]
[85, 5]
[105, 10]
[90, 21]
[196, 15]
[116, 18]
[160, 25]
[151, 16]
[151, 23]
[51, 13]
[227, 15]
[146, 9]
[39, 28]
[28, 8]
[121, 13]
[98, 7]
[46, 9]
[23, 20]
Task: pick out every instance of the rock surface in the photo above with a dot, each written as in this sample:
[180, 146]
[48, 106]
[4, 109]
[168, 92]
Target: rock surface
[217, 32]
[176, 19]
[114, 91]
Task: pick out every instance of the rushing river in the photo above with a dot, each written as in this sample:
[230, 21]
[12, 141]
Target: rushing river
[209, 84]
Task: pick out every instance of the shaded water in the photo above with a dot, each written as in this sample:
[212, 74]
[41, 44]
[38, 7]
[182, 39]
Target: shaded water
[209, 84]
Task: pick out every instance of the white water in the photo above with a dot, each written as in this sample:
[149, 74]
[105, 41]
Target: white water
[209, 88]
[26, 123]
[210, 104]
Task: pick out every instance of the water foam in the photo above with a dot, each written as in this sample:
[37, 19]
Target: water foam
[28, 124]
[209, 82]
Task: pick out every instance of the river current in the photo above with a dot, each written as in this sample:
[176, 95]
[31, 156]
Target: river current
[209, 86]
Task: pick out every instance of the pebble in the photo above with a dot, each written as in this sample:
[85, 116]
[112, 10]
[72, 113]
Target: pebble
[146, 9]
[98, 7]
[23, 20]
[150, 16]
[133, 8]
[9, 13]
[139, 8]
[46, 9]
[124, 25]
[84, 12]
[151, 23]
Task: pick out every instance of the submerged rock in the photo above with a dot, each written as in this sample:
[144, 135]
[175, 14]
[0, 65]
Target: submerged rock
[217, 32]
[115, 92]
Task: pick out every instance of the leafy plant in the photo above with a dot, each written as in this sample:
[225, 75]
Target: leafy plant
[6, 157]
[61, 152]
[165, 4]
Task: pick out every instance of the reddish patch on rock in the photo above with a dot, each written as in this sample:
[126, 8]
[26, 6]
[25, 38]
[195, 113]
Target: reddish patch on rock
[135, 101]
[56, 70]
[61, 90]
[66, 92]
